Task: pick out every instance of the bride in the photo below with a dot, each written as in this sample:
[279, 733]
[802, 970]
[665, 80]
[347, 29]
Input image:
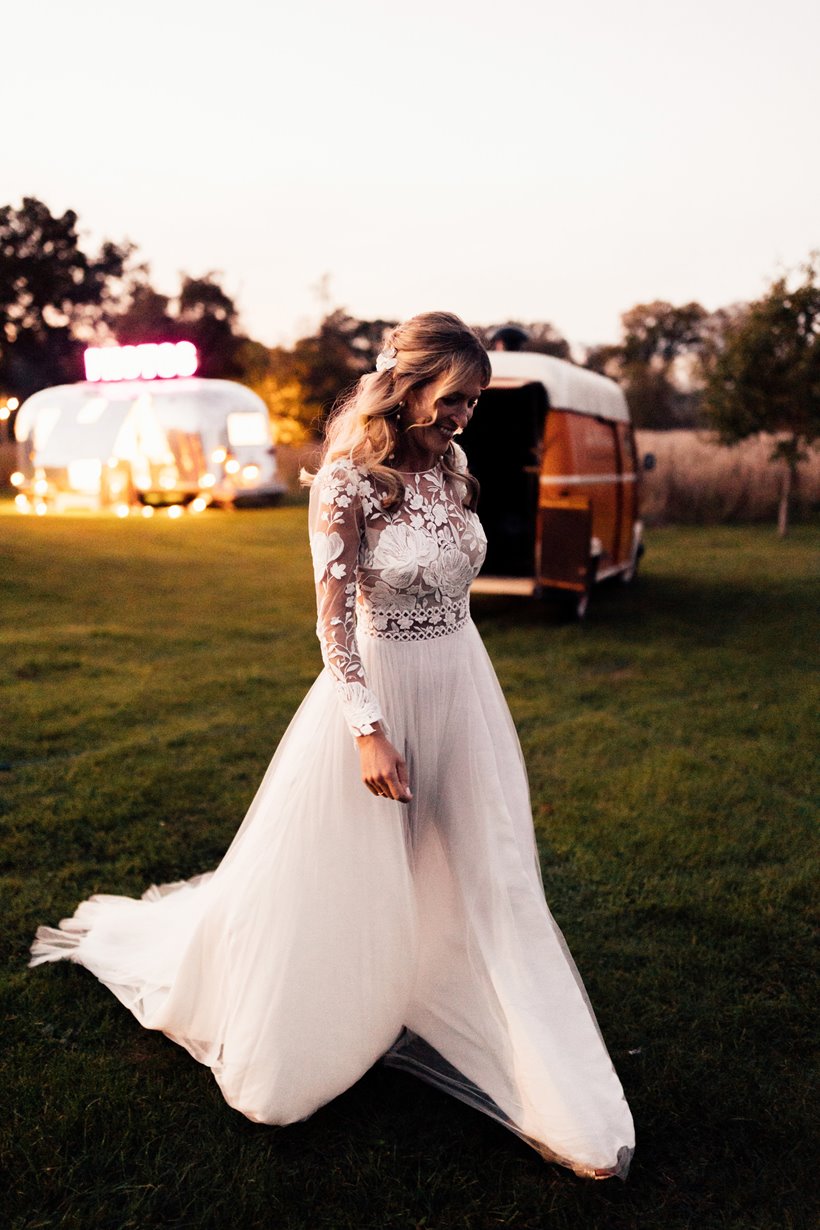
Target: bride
[382, 897]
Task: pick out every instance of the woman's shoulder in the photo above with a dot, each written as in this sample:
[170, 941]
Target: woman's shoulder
[340, 480]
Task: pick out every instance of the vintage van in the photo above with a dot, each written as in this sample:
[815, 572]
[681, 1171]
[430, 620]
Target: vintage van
[144, 442]
[553, 448]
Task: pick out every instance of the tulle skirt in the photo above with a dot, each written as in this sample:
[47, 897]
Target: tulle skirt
[341, 928]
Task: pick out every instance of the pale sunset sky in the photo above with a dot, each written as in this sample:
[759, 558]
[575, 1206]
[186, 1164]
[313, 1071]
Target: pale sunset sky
[513, 160]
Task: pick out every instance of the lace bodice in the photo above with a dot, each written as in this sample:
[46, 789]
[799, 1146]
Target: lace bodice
[401, 574]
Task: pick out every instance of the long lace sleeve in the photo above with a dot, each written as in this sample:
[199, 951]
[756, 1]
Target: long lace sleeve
[339, 499]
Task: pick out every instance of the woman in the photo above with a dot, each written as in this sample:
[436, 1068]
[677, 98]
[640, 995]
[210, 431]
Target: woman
[405, 920]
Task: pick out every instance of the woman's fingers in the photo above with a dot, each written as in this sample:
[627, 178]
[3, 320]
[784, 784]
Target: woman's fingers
[384, 771]
[392, 785]
[404, 780]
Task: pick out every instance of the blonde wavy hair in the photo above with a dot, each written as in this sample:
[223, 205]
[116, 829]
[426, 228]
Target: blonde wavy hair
[364, 427]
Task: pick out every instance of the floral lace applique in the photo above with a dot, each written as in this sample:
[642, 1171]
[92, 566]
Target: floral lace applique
[402, 574]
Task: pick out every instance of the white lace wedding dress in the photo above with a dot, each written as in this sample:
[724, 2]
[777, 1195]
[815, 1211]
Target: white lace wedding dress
[341, 927]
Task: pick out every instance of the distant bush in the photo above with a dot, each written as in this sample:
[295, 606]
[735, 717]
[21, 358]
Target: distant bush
[697, 481]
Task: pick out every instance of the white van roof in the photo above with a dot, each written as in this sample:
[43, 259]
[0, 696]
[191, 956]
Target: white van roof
[568, 387]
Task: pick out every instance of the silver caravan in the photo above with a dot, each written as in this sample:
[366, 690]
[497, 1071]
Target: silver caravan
[144, 442]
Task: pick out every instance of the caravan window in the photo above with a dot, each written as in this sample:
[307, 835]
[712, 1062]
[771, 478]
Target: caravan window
[247, 429]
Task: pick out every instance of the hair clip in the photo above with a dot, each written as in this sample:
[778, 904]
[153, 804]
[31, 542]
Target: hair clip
[387, 359]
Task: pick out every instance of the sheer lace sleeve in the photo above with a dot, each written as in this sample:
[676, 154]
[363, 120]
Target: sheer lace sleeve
[339, 498]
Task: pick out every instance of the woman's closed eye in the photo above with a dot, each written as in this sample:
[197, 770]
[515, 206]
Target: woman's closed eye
[454, 400]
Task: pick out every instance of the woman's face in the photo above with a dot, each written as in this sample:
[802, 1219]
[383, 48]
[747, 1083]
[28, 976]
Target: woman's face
[440, 413]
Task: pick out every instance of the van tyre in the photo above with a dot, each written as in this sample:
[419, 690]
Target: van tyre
[573, 605]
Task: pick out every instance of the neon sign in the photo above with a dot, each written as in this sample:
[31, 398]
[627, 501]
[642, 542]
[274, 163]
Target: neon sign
[150, 361]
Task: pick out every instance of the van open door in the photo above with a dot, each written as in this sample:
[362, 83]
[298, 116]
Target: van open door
[552, 446]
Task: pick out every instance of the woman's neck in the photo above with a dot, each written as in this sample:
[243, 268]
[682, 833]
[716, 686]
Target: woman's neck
[414, 460]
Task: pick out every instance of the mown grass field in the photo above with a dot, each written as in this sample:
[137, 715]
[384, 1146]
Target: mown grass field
[149, 669]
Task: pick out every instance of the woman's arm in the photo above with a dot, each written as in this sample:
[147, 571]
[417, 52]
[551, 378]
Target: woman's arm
[336, 526]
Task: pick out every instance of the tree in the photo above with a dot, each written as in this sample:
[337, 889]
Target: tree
[53, 295]
[659, 340]
[270, 373]
[764, 375]
[202, 313]
[330, 361]
[605, 359]
[659, 331]
[147, 317]
[208, 317]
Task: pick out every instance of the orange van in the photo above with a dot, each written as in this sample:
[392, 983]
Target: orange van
[553, 448]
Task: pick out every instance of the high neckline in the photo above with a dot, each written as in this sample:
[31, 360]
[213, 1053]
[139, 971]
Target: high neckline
[418, 473]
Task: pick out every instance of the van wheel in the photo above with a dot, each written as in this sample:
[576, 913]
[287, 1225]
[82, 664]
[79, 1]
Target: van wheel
[573, 606]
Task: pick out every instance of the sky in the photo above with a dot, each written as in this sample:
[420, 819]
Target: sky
[521, 160]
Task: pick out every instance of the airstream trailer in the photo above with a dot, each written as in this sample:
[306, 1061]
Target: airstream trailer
[553, 448]
[150, 442]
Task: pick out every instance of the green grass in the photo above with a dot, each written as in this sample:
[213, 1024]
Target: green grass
[151, 668]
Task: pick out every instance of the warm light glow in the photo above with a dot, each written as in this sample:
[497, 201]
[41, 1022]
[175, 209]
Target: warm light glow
[41, 487]
[84, 475]
[5, 413]
[17, 479]
[122, 510]
[218, 455]
[248, 429]
[22, 503]
[175, 511]
[207, 480]
[250, 472]
[147, 511]
[187, 359]
[232, 466]
[199, 504]
[40, 508]
[13, 403]
[145, 362]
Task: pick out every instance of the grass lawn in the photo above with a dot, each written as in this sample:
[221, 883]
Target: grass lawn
[149, 669]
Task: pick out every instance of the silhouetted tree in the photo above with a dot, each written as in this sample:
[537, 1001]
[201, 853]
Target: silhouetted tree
[658, 339]
[202, 313]
[208, 317]
[604, 359]
[53, 295]
[328, 362]
[147, 317]
[764, 375]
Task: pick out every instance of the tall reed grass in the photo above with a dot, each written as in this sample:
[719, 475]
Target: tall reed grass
[696, 480]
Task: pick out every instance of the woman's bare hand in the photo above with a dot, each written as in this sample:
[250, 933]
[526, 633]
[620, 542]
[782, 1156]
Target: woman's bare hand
[384, 771]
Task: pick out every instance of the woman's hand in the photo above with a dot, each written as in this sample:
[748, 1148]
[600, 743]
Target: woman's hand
[384, 771]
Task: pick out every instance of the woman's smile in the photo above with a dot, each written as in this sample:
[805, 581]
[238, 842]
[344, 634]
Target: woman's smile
[431, 419]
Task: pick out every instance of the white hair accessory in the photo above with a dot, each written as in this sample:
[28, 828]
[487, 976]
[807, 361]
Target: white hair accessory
[387, 359]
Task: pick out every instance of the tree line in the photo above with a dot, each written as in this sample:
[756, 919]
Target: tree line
[742, 369]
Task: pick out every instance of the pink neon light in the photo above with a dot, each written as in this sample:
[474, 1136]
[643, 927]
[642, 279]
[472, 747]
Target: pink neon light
[146, 362]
